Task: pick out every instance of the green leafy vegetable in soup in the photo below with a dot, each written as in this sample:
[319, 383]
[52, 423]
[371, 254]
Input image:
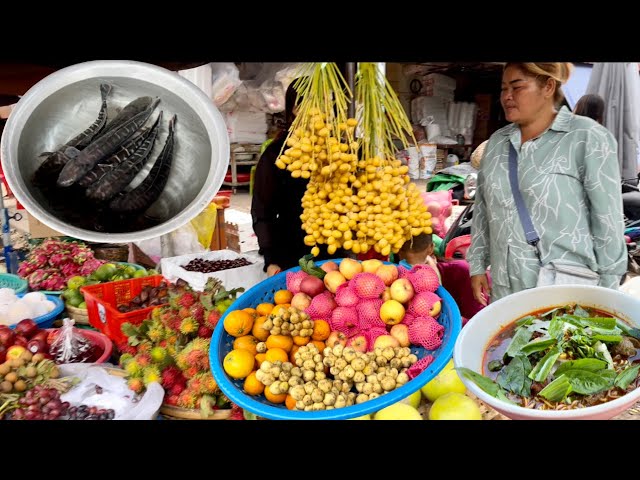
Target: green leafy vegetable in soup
[563, 358]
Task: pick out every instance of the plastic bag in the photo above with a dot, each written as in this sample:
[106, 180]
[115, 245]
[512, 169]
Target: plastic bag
[71, 347]
[439, 204]
[225, 79]
[113, 393]
[205, 224]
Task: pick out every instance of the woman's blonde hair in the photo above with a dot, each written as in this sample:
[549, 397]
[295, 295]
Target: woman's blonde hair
[560, 72]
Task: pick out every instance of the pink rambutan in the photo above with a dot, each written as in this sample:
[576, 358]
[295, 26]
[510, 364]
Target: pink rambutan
[423, 278]
[197, 312]
[426, 332]
[204, 332]
[187, 299]
[135, 384]
[171, 400]
[212, 318]
[170, 376]
[367, 285]
[144, 359]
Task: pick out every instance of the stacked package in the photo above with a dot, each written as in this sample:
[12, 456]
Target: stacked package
[246, 127]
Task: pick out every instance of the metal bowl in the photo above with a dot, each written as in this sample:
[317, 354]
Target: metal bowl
[67, 101]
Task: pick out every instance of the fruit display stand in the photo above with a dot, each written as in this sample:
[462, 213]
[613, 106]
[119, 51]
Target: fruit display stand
[222, 343]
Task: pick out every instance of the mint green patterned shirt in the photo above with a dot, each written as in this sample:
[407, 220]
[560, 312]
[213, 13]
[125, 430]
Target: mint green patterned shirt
[569, 177]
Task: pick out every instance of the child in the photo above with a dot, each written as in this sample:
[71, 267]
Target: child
[453, 274]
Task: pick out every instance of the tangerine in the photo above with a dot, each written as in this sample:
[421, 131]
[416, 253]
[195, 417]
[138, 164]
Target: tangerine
[282, 296]
[258, 330]
[321, 330]
[274, 354]
[238, 363]
[238, 323]
[260, 357]
[246, 342]
[264, 309]
[285, 342]
[290, 402]
[299, 341]
[252, 385]
[280, 398]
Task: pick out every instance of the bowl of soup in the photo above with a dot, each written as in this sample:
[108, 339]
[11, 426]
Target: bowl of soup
[557, 352]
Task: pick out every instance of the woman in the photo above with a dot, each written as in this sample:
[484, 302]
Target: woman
[592, 106]
[276, 203]
[569, 176]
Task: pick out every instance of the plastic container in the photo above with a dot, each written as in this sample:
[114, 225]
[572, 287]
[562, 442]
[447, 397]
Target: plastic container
[222, 343]
[9, 280]
[45, 321]
[96, 338]
[103, 299]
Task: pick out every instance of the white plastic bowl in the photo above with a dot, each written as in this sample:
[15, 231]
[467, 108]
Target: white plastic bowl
[472, 342]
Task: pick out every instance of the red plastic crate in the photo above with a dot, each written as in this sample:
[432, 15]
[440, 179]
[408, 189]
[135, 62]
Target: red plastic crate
[103, 299]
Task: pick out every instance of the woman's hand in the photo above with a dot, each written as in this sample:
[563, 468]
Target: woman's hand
[273, 269]
[480, 288]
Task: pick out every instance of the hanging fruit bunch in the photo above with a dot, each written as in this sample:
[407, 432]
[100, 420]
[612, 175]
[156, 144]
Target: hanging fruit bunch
[358, 196]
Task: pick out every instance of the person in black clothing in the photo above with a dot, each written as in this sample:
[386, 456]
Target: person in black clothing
[276, 204]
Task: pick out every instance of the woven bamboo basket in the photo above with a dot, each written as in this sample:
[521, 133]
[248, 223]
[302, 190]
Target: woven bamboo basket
[80, 315]
[179, 413]
[111, 253]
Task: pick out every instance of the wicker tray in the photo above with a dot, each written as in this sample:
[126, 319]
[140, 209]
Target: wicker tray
[179, 413]
[112, 253]
[80, 315]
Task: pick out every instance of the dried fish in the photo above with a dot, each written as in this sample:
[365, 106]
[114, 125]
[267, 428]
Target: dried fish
[141, 197]
[116, 180]
[55, 161]
[83, 162]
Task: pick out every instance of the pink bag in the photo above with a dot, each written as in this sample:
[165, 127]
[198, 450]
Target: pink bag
[439, 204]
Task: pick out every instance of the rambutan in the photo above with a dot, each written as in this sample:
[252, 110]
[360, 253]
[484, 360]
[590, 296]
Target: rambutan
[166, 317]
[171, 399]
[187, 399]
[197, 312]
[191, 372]
[159, 355]
[187, 299]
[204, 332]
[194, 354]
[178, 388]
[133, 368]
[151, 374]
[184, 312]
[155, 333]
[145, 347]
[236, 412]
[135, 384]
[171, 375]
[212, 318]
[211, 386]
[188, 326]
[124, 359]
[124, 349]
[144, 359]
[174, 324]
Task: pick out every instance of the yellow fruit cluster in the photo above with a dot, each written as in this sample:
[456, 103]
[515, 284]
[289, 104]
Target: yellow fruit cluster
[350, 203]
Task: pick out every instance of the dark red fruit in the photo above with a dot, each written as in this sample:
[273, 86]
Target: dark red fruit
[3, 353]
[26, 328]
[7, 336]
[41, 335]
[37, 346]
[21, 340]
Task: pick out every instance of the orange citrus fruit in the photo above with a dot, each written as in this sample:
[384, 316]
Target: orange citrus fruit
[298, 340]
[279, 307]
[246, 342]
[252, 385]
[238, 323]
[321, 330]
[280, 398]
[260, 357]
[251, 311]
[282, 296]
[274, 354]
[264, 308]
[319, 344]
[258, 331]
[285, 342]
[290, 402]
[292, 354]
[238, 363]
